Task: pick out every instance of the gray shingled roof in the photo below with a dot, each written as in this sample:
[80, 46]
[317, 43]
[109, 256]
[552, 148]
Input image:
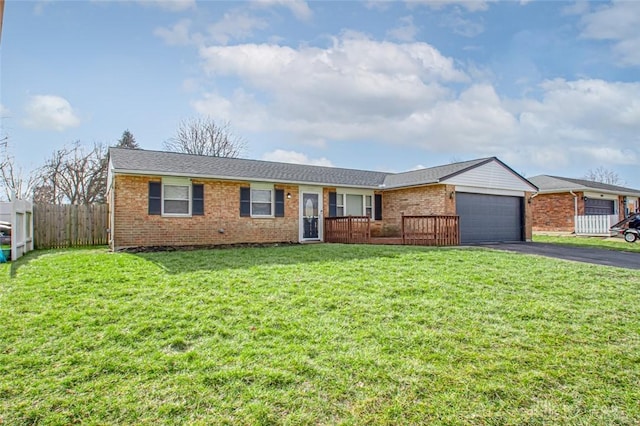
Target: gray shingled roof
[550, 184]
[177, 164]
[431, 174]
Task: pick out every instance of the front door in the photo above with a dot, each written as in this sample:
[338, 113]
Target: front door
[310, 215]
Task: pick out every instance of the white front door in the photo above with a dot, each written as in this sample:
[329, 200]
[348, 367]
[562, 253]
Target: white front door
[310, 216]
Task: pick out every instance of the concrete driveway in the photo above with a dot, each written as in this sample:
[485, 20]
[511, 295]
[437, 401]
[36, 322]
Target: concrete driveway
[620, 259]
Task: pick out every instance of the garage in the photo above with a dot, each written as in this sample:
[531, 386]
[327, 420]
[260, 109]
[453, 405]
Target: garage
[595, 206]
[489, 218]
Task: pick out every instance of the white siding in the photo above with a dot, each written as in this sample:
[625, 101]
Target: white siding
[491, 175]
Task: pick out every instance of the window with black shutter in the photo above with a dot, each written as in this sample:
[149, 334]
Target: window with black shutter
[332, 204]
[378, 207]
[197, 206]
[279, 208]
[155, 198]
[245, 202]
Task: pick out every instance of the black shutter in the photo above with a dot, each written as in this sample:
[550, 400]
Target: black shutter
[155, 197]
[378, 207]
[197, 199]
[279, 203]
[332, 204]
[245, 202]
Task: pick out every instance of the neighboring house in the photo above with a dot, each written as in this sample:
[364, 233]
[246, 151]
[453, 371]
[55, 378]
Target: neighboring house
[164, 198]
[580, 206]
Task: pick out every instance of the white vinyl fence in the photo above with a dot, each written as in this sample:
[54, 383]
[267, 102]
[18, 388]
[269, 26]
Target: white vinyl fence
[19, 213]
[596, 225]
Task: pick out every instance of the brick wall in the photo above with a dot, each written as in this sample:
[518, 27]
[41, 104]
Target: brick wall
[424, 200]
[221, 223]
[528, 216]
[554, 212]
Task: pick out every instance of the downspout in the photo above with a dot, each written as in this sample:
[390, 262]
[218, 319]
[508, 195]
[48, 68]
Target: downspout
[575, 210]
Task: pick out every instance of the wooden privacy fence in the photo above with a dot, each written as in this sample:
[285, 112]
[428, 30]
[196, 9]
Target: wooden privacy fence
[431, 230]
[347, 229]
[56, 226]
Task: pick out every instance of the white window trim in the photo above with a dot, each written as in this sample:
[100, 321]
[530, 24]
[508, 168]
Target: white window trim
[263, 187]
[174, 181]
[363, 192]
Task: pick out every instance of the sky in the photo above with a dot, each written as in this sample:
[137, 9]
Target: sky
[548, 87]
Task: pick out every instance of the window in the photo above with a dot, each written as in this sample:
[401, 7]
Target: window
[261, 200]
[339, 205]
[349, 204]
[176, 197]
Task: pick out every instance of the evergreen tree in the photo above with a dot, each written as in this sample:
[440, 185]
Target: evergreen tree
[127, 141]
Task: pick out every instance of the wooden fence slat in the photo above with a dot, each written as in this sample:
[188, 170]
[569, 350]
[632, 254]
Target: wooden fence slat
[57, 226]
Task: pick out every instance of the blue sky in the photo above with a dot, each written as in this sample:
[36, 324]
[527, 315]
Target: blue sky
[549, 87]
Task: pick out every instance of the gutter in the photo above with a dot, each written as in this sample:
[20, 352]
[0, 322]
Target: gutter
[575, 207]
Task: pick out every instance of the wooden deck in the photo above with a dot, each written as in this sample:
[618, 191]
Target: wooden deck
[416, 230]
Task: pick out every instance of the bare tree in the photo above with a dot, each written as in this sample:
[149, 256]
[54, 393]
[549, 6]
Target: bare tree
[12, 177]
[203, 136]
[74, 175]
[603, 175]
[127, 141]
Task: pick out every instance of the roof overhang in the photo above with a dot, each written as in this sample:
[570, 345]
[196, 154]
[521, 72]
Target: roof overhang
[603, 191]
[239, 179]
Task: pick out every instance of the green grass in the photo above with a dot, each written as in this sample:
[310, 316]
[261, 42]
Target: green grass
[318, 334]
[596, 242]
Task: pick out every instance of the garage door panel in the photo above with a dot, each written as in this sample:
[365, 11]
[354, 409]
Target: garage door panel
[489, 218]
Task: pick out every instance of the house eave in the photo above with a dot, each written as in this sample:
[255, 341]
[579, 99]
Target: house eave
[239, 178]
[585, 189]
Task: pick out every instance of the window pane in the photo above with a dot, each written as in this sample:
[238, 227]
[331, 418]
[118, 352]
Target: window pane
[339, 211]
[354, 205]
[261, 195]
[368, 213]
[367, 200]
[174, 192]
[176, 207]
[340, 199]
[261, 209]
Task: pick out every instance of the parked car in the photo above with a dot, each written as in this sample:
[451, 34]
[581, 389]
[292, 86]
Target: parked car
[5, 234]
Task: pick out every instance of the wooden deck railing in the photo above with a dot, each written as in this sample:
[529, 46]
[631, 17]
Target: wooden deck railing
[347, 230]
[431, 230]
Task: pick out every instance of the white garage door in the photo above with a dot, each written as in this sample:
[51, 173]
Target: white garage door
[489, 218]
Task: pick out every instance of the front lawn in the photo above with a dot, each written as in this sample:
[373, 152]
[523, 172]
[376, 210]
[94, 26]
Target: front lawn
[595, 242]
[317, 334]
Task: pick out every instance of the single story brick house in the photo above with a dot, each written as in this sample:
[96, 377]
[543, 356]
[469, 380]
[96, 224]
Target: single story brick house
[170, 199]
[581, 206]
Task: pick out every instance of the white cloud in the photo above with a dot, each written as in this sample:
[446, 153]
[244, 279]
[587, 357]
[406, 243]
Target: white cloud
[235, 25]
[170, 5]
[618, 22]
[176, 35]
[299, 8]
[283, 156]
[469, 5]
[406, 31]
[359, 89]
[579, 7]
[4, 111]
[462, 26]
[49, 112]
